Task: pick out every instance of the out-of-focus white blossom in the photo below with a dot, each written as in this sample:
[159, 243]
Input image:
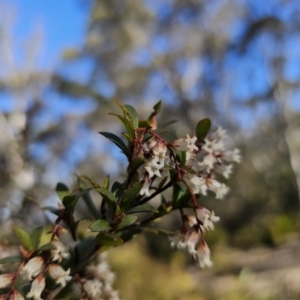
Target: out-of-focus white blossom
[93, 288]
[60, 252]
[231, 155]
[145, 189]
[225, 170]
[186, 144]
[37, 287]
[206, 217]
[34, 267]
[6, 280]
[59, 274]
[15, 295]
[196, 183]
[220, 189]
[203, 255]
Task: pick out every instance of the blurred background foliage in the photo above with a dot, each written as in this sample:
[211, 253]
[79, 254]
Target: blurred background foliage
[236, 62]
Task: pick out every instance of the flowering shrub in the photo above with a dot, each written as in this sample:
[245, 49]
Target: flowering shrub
[186, 165]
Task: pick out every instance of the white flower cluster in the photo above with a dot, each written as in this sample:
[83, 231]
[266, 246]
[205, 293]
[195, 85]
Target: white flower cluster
[34, 271]
[191, 235]
[203, 160]
[100, 280]
[211, 156]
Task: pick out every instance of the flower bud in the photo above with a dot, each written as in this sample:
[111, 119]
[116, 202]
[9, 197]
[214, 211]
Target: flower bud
[34, 267]
[6, 280]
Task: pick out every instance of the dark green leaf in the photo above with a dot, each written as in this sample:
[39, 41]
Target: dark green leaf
[24, 237]
[156, 109]
[71, 201]
[11, 259]
[117, 141]
[157, 231]
[90, 204]
[52, 209]
[128, 220]
[202, 129]
[117, 189]
[100, 225]
[162, 210]
[181, 196]
[106, 241]
[85, 246]
[107, 194]
[46, 247]
[62, 190]
[36, 236]
[133, 116]
[144, 124]
[130, 194]
[142, 208]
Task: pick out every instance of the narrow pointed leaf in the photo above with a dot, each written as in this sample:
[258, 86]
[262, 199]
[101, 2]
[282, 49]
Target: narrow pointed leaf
[107, 194]
[116, 140]
[71, 201]
[133, 115]
[127, 124]
[11, 259]
[92, 182]
[142, 208]
[46, 247]
[36, 236]
[24, 237]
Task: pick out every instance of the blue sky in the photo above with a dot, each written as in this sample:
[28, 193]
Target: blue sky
[63, 23]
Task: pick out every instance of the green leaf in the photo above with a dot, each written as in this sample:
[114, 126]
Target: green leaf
[156, 109]
[52, 209]
[46, 247]
[71, 201]
[117, 189]
[130, 194]
[36, 236]
[92, 182]
[106, 241]
[11, 259]
[162, 210]
[133, 115]
[117, 141]
[128, 125]
[144, 124]
[24, 237]
[100, 225]
[76, 224]
[181, 196]
[142, 208]
[84, 247]
[158, 231]
[106, 182]
[202, 129]
[128, 220]
[107, 194]
[62, 190]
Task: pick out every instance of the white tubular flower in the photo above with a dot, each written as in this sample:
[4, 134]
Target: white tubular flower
[59, 274]
[93, 288]
[191, 240]
[110, 293]
[225, 170]
[177, 241]
[37, 287]
[196, 183]
[153, 166]
[206, 217]
[160, 150]
[6, 280]
[207, 163]
[231, 155]
[220, 189]
[186, 144]
[34, 267]
[203, 255]
[218, 135]
[59, 253]
[145, 189]
[15, 295]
